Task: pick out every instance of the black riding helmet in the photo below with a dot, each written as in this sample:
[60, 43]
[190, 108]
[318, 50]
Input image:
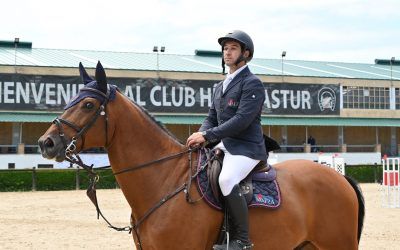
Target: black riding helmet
[243, 39]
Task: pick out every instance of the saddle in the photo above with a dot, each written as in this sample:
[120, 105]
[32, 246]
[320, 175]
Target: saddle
[262, 172]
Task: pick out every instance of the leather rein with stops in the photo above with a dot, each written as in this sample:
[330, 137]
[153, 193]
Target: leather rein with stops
[74, 158]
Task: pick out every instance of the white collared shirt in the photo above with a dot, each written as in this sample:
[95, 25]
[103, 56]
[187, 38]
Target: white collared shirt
[229, 77]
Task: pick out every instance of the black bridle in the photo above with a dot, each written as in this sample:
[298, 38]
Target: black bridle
[72, 157]
[70, 148]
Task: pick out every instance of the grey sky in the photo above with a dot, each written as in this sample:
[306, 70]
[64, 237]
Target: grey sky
[332, 30]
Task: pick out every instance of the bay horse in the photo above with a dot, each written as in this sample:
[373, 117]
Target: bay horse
[320, 209]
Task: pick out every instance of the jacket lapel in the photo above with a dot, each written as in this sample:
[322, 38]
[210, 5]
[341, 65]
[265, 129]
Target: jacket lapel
[237, 79]
[218, 89]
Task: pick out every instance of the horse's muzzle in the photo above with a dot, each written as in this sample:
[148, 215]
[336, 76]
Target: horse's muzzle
[52, 147]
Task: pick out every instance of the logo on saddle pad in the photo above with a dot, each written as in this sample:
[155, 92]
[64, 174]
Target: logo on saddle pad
[268, 200]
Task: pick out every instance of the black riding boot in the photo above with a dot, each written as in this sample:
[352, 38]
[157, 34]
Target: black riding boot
[237, 208]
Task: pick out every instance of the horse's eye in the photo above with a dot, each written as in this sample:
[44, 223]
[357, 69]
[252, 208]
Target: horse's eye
[89, 105]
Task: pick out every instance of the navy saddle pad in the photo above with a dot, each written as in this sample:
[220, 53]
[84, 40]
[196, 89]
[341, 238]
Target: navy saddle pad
[265, 193]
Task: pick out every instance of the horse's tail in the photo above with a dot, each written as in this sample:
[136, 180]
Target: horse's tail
[361, 204]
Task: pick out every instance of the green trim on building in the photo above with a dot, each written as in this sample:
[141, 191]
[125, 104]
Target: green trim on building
[178, 119]
[331, 121]
[197, 120]
[27, 117]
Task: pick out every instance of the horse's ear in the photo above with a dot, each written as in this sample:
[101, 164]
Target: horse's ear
[101, 77]
[84, 75]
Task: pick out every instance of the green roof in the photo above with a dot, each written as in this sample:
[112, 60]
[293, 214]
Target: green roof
[202, 61]
[266, 120]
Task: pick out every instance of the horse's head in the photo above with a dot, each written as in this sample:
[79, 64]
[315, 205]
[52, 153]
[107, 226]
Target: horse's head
[84, 121]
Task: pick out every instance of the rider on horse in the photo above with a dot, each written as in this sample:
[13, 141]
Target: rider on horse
[234, 121]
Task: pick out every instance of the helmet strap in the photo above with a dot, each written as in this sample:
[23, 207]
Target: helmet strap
[240, 59]
[223, 61]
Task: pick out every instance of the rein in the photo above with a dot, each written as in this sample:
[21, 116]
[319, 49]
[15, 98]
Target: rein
[91, 190]
[74, 158]
[94, 178]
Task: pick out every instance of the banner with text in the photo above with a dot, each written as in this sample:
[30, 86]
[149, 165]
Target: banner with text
[51, 93]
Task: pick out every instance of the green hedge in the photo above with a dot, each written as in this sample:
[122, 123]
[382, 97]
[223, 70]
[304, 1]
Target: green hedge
[15, 180]
[65, 179]
[365, 173]
[53, 179]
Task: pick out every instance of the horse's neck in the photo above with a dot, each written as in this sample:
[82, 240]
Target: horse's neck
[136, 140]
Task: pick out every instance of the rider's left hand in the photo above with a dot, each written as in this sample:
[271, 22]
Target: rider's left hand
[195, 139]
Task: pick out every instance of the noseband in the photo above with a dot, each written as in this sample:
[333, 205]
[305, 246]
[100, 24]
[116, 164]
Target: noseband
[80, 132]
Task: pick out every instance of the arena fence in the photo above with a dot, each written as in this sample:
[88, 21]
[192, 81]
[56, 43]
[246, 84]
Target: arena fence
[336, 163]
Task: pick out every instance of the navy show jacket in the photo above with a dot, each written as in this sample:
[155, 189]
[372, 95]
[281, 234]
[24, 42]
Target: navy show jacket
[235, 116]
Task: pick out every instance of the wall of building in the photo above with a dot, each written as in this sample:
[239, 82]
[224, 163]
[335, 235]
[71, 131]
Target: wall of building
[326, 138]
[180, 131]
[5, 133]
[354, 136]
[398, 140]
[357, 139]
[32, 131]
[275, 132]
[384, 140]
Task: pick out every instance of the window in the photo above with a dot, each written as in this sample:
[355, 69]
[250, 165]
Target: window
[355, 97]
[397, 97]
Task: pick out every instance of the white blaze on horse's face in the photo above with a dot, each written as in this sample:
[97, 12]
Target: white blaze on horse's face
[66, 135]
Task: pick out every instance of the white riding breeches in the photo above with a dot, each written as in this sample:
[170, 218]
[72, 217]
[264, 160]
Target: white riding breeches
[235, 168]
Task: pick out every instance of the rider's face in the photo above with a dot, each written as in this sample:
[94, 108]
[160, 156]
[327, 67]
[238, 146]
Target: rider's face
[232, 51]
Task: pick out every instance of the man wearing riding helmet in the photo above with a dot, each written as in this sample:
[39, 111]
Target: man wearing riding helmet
[234, 120]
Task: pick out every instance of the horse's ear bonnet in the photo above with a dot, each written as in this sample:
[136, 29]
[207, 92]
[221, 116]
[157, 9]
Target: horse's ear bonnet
[101, 78]
[84, 75]
[99, 84]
